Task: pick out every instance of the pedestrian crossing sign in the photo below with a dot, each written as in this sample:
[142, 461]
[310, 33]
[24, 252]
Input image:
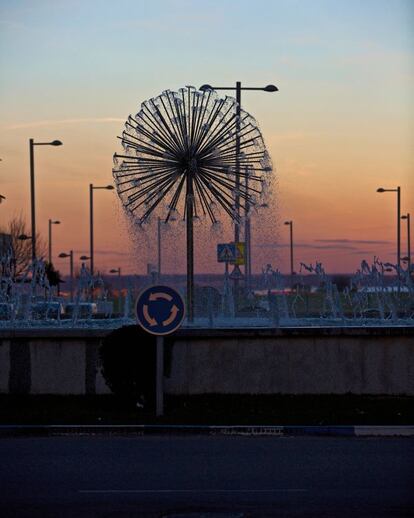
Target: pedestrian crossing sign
[226, 252]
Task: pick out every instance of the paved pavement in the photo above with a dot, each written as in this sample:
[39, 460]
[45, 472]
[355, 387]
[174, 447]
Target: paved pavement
[213, 477]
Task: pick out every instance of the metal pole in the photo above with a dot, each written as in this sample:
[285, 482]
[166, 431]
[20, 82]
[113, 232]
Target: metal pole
[32, 198]
[291, 249]
[190, 249]
[159, 249]
[409, 244]
[91, 226]
[248, 252]
[159, 377]
[247, 247]
[398, 230]
[50, 241]
[71, 274]
[237, 180]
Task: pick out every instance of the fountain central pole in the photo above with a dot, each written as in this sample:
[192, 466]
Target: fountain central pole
[190, 247]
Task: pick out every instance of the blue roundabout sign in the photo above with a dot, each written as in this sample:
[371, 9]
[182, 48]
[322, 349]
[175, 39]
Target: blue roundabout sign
[160, 310]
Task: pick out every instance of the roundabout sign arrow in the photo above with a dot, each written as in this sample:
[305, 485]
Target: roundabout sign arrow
[160, 310]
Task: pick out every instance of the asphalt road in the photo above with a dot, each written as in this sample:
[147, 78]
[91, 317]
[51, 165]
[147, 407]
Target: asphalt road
[220, 476]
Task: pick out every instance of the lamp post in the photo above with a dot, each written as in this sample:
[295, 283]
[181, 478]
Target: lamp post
[70, 255]
[91, 189]
[51, 222]
[238, 88]
[398, 191]
[32, 144]
[407, 218]
[84, 258]
[290, 224]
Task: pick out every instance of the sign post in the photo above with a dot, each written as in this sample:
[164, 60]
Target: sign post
[160, 311]
[159, 377]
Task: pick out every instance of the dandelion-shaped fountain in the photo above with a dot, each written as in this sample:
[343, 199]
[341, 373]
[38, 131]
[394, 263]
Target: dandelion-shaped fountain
[180, 160]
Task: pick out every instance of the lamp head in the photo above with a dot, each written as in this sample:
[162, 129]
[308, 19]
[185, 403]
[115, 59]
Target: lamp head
[24, 237]
[271, 88]
[56, 143]
[288, 222]
[380, 189]
[405, 216]
[110, 187]
[113, 271]
[63, 255]
[84, 258]
[57, 222]
[205, 88]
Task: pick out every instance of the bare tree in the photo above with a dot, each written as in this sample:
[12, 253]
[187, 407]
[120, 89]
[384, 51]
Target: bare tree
[22, 249]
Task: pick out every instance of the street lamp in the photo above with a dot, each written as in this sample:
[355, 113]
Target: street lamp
[407, 218]
[32, 144]
[84, 258]
[63, 255]
[51, 222]
[239, 88]
[290, 224]
[398, 191]
[2, 198]
[91, 189]
[24, 237]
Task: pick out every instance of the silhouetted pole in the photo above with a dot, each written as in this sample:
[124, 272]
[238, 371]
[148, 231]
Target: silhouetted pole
[91, 263]
[32, 198]
[407, 218]
[91, 189]
[290, 223]
[50, 237]
[398, 191]
[399, 229]
[71, 275]
[32, 143]
[190, 248]
[247, 250]
[237, 182]
[159, 248]
[63, 255]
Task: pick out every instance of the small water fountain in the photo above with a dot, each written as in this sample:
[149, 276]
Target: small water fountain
[371, 298]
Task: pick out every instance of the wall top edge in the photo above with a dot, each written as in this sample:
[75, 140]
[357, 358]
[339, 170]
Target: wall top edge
[35, 333]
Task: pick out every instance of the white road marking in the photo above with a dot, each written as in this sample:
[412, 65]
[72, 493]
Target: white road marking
[192, 490]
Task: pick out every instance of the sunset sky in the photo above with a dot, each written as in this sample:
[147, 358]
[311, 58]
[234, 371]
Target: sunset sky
[341, 125]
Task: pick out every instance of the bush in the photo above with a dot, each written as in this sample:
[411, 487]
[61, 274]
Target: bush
[128, 357]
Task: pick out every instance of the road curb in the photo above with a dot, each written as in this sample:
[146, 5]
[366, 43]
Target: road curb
[239, 430]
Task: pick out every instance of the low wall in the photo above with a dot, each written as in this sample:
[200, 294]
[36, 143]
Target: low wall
[265, 361]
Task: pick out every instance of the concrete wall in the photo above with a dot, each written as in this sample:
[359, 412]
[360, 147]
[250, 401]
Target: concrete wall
[287, 361]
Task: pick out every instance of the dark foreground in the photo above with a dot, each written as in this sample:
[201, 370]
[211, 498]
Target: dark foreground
[206, 476]
[211, 409]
